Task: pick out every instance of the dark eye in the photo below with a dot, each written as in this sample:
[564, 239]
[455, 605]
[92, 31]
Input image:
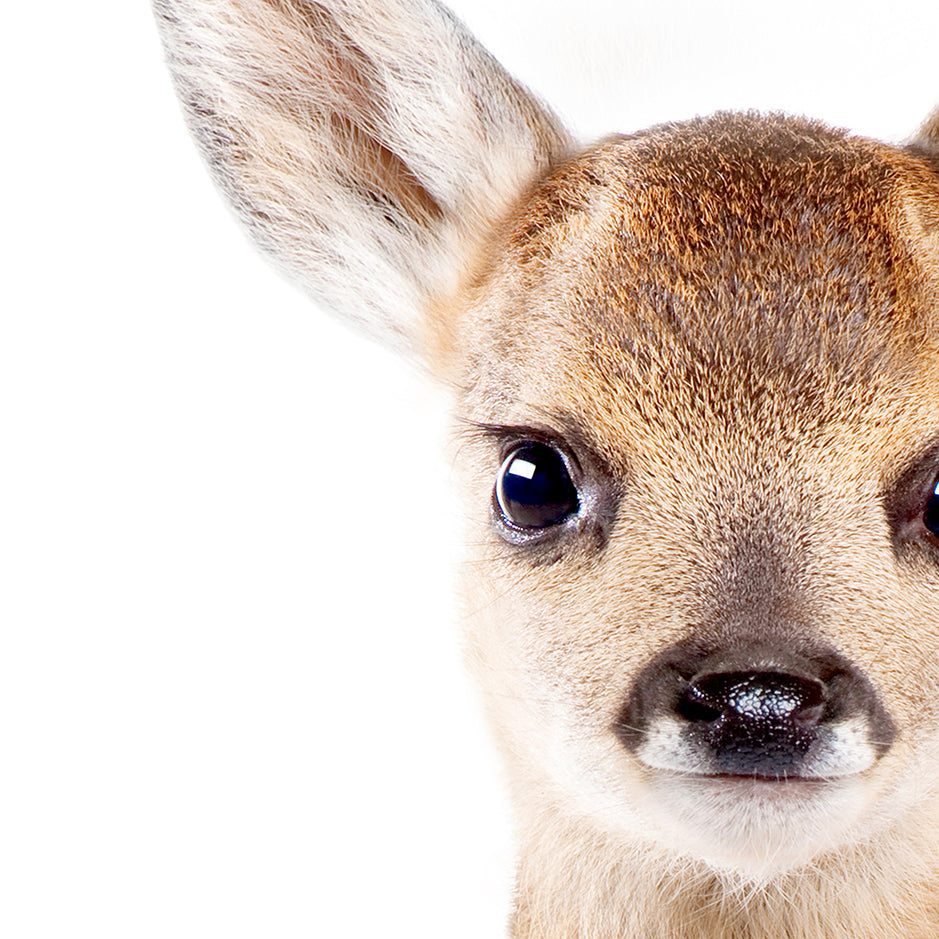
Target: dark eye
[534, 488]
[931, 512]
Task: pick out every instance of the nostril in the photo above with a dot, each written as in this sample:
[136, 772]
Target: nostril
[754, 698]
[694, 707]
[810, 715]
[753, 722]
[760, 696]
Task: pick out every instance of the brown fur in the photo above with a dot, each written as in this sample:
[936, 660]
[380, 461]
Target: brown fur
[731, 328]
[739, 317]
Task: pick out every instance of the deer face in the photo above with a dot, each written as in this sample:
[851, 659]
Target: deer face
[703, 384]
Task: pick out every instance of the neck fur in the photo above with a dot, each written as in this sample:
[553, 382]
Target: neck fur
[575, 883]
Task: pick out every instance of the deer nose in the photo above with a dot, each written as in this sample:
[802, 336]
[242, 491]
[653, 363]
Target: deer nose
[755, 708]
[754, 722]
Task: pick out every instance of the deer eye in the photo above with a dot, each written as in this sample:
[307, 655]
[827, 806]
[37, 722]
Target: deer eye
[534, 488]
[931, 512]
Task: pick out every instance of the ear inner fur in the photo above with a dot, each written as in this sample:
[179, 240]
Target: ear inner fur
[369, 166]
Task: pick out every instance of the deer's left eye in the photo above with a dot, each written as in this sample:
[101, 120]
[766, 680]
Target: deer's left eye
[534, 488]
[931, 512]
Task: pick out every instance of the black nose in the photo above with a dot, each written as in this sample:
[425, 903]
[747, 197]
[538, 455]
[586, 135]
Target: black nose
[752, 708]
[754, 722]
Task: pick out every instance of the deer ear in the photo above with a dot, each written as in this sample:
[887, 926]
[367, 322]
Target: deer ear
[926, 141]
[368, 145]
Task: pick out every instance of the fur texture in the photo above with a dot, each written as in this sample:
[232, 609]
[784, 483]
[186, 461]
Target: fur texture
[368, 163]
[758, 383]
[726, 330]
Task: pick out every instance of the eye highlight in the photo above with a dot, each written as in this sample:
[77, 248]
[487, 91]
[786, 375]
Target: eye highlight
[534, 488]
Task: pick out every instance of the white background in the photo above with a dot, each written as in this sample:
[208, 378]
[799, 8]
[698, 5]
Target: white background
[231, 701]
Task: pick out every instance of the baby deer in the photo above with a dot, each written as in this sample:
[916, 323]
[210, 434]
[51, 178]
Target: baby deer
[701, 366]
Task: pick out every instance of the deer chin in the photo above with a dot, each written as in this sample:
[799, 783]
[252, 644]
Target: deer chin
[755, 828]
[749, 830]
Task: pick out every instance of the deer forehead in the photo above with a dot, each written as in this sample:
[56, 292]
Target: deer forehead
[767, 277]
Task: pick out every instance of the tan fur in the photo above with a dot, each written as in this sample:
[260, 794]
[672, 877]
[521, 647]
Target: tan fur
[732, 325]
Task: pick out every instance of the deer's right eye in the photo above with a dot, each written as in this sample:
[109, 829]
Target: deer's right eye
[534, 488]
[931, 512]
